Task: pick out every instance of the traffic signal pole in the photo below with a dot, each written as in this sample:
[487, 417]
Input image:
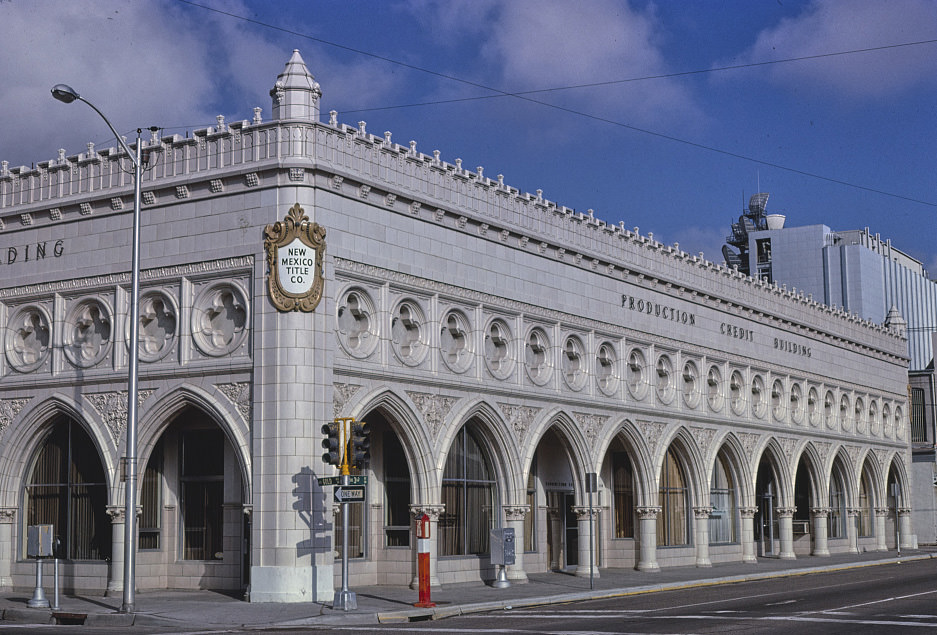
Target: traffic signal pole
[345, 599]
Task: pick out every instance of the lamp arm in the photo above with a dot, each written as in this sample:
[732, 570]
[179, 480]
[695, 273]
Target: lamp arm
[120, 139]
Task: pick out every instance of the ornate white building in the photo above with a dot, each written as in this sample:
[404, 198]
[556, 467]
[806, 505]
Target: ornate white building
[500, 345]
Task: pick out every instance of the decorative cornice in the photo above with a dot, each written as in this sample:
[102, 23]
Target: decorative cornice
[149, 275]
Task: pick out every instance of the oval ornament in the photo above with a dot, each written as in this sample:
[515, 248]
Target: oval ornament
[295, 248]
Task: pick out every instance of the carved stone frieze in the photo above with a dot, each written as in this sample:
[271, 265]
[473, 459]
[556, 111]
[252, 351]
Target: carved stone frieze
[749, 441]
[238, 393]
[787, 445]
[433, 511]
[341, 394]
[520, 417]
[9, 408]
[590, 423]
[112, 406]
[651, 431]
[704, 438]
[434, 408]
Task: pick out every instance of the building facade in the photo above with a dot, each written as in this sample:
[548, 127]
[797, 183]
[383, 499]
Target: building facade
[866, 275]
[501, 346]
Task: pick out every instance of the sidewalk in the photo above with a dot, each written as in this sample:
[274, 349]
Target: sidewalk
[395, 604]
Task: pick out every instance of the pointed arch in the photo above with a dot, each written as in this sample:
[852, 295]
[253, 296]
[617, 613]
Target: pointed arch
[685, 446]
[401, 415]
[25, 434]
[636, 445]
[157, 418]
[502, 447]
[780, 468]
[574, 443]
[732, 448]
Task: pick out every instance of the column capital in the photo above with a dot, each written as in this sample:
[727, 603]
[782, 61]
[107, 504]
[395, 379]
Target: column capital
[116, 512]
[853, 511]
[904, 511]
[7, 514]
[248, 510]
[786, 512]
[433, 510]
[820, 511]
[516, 512]
[881, 511]
[703, 512]
[748, 512]
[583, 512]
[648, 513]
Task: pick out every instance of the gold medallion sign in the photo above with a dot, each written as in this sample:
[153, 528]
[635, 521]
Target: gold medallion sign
[295, 247]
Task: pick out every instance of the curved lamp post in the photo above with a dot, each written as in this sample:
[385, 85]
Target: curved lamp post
[67, 94]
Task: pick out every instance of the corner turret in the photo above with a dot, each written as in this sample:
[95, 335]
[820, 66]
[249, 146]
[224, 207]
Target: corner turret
[296, 93]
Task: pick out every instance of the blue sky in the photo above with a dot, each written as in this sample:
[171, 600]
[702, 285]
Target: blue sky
[638, 116]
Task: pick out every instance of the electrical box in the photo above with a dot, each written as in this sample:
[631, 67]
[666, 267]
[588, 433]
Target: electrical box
[502, 546]
[39, 541]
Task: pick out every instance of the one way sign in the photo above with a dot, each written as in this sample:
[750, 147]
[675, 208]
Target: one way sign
[349, 494]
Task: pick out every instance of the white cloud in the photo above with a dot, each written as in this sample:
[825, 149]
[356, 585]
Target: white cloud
[829, 26]
[531, 45]
[145, 63]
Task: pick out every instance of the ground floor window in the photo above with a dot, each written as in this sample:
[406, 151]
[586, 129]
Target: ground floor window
[837, 524]
[67, 489]
[673, 526]
[865, 506]
[151, 500]
[202, 484]
[722, 498]
[396, 492]
[530, 520]
[623, 495]
[470, 498]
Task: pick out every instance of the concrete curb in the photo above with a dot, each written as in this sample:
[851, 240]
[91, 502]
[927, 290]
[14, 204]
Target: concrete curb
[411, 615]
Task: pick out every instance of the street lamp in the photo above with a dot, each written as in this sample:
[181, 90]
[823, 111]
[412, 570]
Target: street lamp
[67, 94]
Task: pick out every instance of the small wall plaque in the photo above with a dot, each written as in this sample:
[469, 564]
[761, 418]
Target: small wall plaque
[295, 247]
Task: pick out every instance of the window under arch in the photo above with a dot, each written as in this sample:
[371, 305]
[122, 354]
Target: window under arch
[67, 489]
[837, 525]
[470, 496]
[866, 501]
[722, 526]
[623, 495]
[673, 528]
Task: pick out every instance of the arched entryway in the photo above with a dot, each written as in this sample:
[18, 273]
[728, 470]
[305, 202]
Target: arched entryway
[193, 532]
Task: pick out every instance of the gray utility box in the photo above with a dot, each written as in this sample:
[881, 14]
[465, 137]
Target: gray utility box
[502, 546]
[39, 541]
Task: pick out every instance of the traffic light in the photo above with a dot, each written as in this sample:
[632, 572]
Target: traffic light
[360, 445]
[332, 444]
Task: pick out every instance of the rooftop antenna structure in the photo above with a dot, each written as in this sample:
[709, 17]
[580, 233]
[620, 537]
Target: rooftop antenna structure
[753, 219]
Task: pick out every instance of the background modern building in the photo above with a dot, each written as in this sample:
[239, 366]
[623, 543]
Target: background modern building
[500, 345]
[868, 276]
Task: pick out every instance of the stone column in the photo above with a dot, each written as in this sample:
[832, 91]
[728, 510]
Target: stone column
[514, 516]
[701, 527]
[786, 531]
[881, 513]
[582, 518]
[647, 522]
[904, 527]
[433, 511]
[115, 581]
[821, 532]
[748, 534]
[852, 528]
[7, 548]
[557, 534]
